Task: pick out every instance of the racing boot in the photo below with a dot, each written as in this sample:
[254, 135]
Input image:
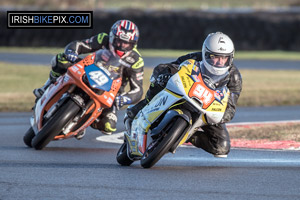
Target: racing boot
[38, 92]
[107, 121]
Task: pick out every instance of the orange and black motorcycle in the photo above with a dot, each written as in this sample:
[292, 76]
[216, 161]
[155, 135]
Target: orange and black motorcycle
[75, 100]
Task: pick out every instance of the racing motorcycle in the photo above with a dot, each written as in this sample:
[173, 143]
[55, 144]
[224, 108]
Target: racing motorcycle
[193, 97]
[75, 100]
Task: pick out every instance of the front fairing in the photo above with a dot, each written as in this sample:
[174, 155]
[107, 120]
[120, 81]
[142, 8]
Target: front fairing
[100, 75]
[112, 63]
[140, 127]
[208, 95]
[104, 70]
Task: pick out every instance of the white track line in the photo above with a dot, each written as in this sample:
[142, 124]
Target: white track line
[113, 138]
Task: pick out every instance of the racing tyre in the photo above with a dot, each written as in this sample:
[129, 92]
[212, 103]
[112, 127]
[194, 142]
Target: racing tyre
[122, 156]
[55, 124]
[163, 143]
[29, 135]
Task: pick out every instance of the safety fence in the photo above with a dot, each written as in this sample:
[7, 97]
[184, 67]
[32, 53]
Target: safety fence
[174, 29]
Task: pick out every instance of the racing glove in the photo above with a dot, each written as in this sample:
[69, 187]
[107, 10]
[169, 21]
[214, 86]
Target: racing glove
[71, 56]
[162, 79]
[120, 101]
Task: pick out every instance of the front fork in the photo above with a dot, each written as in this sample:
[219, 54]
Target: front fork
[195, 127]
[49, 113]
[76, 119]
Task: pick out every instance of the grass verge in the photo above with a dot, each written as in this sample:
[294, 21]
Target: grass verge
[270, 132]
[17, 83]
[270, 88]
[260, 87]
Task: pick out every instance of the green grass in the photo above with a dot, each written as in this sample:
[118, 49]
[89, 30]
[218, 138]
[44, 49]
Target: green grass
[260, 87]
[17, 83]
[270, 88]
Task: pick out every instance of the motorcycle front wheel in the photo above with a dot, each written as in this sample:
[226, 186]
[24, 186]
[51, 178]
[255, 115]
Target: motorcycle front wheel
[164, 143]
[29, 135]
[122, 156]
[55, 124]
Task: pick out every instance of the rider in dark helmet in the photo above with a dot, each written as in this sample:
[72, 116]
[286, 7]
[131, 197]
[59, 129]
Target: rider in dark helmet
[122, 41]
[217, 58]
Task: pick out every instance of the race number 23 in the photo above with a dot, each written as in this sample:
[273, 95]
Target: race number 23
[99, 77]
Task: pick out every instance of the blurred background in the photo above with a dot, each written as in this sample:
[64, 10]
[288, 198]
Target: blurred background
[177, 24]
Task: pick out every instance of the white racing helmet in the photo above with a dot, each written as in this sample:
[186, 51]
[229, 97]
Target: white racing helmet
[217, 45]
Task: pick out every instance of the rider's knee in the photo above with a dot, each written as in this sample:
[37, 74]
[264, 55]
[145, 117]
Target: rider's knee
[222, 147]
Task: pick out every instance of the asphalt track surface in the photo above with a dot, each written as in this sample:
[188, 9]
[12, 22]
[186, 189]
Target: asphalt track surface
[87, 169]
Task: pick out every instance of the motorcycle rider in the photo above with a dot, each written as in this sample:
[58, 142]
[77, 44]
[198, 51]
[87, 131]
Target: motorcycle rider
[217, 57]
[122, 41]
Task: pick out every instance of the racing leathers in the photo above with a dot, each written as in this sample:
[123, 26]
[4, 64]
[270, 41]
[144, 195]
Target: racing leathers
[133, 72]
[213, 138]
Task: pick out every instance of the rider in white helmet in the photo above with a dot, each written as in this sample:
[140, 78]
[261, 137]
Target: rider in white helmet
[217, 53]
[216, 59]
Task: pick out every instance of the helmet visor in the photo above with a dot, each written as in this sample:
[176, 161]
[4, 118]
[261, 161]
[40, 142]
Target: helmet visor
[218, 60]
[122, 45]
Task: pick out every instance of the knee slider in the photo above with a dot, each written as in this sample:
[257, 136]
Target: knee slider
[223, 147]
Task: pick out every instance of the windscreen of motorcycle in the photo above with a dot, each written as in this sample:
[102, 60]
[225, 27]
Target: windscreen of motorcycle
[211, 80]
[106, 61]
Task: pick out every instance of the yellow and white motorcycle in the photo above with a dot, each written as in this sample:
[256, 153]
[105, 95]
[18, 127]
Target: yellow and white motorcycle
[192, 98]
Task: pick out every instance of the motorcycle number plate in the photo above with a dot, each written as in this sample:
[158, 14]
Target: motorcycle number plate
[99, 77]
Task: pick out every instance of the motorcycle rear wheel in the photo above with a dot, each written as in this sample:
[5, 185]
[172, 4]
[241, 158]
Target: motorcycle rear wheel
[122, 156]
[55, 124]
[29, 135]
[153, 155]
